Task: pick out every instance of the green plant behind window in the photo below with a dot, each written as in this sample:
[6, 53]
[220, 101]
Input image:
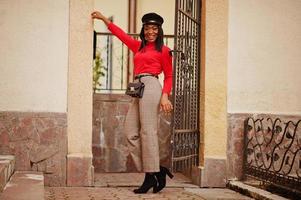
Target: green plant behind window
[98, 69]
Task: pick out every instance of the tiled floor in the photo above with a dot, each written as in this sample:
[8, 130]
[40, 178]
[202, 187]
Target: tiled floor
[115, 193]
[135, 179]
[119, 186]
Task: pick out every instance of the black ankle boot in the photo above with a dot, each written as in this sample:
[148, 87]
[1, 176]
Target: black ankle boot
[149, 182]
[161, 177]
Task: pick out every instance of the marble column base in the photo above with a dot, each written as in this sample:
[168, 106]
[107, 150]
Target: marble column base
[80, 171]
[213, 174]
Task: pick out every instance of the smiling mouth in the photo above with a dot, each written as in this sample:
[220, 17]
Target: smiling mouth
[151, 37]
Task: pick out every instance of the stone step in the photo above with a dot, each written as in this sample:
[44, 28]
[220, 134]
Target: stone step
[7, 168]
[24, 185]
[253, 192]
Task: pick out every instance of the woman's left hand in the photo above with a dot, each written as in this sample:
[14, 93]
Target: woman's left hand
[165, 104]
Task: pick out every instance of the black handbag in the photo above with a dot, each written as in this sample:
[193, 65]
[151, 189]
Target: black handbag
[135, 89]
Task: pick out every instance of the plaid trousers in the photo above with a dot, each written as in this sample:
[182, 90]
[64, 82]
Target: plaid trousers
[141, 127]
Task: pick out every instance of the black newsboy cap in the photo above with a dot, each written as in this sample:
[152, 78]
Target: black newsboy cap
[152, 18]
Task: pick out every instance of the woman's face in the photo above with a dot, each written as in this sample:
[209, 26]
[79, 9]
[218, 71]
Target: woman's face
[150, 32]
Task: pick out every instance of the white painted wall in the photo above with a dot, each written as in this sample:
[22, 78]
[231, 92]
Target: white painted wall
[34, 55]
[264, 56]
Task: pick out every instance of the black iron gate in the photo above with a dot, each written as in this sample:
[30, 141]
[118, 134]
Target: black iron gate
[185, 124]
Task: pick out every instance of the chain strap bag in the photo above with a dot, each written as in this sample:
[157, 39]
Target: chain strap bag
[135, 89]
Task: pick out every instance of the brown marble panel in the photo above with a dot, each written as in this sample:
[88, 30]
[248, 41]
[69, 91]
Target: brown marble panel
[38, 141]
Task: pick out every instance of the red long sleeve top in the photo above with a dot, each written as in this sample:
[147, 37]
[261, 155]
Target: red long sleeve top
[148, 60]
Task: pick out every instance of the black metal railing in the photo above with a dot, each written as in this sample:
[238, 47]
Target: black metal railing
[117, 61]
[273, 152]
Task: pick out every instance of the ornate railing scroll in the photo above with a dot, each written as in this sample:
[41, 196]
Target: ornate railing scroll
[273, 152]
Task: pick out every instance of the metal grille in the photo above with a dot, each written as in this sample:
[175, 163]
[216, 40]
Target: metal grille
[273, 152]
[185, 131]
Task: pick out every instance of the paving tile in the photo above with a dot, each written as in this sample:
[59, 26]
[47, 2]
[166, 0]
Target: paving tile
[176, 190]
[176, 187]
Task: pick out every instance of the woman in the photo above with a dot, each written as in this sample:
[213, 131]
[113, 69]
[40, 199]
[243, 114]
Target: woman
[151, 58]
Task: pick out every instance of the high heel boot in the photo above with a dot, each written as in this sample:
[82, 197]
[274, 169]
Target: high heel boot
[161, 178]
[149, 182]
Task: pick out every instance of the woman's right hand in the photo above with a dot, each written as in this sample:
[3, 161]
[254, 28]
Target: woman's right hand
[98, 15]
[165, 104]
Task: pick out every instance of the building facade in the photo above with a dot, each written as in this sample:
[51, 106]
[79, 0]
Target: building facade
[249, 66]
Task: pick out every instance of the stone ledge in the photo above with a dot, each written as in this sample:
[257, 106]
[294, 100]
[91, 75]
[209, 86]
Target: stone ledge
[253, 191]
[2, 176]
[29, 184]
[7, 167]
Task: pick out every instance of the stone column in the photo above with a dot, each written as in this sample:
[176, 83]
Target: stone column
[213, 101]
[79, 159]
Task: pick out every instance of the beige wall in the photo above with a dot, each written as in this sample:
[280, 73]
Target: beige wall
[34, 55]
[264, 56]
[214, 79]
[109, 9]
[164, 8]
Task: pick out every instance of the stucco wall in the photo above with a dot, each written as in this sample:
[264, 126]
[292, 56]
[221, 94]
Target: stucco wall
[80, 171]
[80, 78]
[34, 55]
[264, 56]
[214, 78]
[109, 9]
